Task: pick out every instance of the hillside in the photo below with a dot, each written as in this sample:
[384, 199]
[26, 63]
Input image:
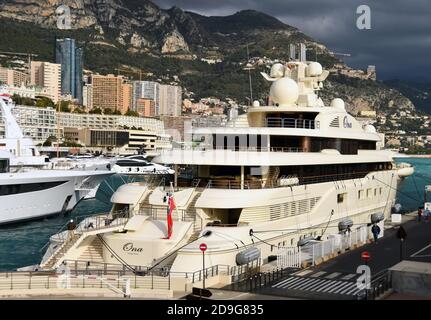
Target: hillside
[138, 35]
[418, 93]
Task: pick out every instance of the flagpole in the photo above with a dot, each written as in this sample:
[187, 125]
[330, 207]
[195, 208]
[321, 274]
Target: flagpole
[176, 207]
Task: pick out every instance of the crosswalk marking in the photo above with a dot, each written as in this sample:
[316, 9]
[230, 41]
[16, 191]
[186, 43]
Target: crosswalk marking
[332, 284]
[349, 276]
[304, 273]
[304, 285]
[342, 286]
[333, 275]
[322, 285]
[318, 274]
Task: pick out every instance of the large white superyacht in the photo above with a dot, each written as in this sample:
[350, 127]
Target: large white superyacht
[28, 189]
[282, 175]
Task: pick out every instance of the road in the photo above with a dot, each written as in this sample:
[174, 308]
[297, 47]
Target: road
[386, 252]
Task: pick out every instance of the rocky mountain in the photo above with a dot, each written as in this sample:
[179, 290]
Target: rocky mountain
[173, 44]
[418, 92]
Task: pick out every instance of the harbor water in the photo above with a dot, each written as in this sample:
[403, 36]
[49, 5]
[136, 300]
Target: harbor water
[22, 244]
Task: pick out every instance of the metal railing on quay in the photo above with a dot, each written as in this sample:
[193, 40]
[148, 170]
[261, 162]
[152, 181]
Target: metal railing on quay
[108, 275]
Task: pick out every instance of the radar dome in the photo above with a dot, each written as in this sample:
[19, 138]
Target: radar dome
[314, 69]
[338, 103]
[370, 129]
[277, 70]
[284, 91]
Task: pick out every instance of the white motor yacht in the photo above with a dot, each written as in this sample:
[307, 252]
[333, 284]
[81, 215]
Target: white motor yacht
[283, 175]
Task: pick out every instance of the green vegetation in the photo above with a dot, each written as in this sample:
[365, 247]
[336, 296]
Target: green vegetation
[23, 101]
[44, 102]
[95, 110]
[131, 113]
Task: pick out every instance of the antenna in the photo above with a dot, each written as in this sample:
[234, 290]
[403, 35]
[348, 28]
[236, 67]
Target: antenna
[248, 68]
[302, 52]
[292, 52]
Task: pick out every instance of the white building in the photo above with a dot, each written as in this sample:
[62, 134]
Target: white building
[87, 96]
[48, 76]
[170, 100]
[146, 90]
[167, 98]
[38, 123]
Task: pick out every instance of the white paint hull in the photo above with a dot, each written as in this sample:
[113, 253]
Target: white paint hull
[37, 204]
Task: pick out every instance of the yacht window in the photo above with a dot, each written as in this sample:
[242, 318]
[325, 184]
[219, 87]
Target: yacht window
[361, 194]
[4, 166]
[6, 190]
[341, 197]
[380, 190]
[369, 193]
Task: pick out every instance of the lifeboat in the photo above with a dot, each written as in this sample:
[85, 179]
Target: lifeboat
[405, 170]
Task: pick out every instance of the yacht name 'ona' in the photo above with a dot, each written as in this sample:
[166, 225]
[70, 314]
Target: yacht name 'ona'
[283, 174]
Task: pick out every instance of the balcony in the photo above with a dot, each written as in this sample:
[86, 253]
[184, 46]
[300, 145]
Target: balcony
[291, 123]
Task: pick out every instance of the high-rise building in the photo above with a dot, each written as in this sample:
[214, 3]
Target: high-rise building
[111, 92]
[146, 90]
[146, 108]
[71, 59]
[48, 76]
[126, 97]
[170, 100]
[12, 77]
[87, 96]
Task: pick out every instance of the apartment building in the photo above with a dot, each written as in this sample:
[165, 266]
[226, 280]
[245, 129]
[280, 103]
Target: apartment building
[48, 76]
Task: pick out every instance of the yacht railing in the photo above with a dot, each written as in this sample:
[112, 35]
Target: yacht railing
[292, 123]
[278, 183]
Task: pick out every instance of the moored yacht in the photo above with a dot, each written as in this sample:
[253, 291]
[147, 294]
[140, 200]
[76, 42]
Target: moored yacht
[40, 193]
[29, 188]
[280, 176]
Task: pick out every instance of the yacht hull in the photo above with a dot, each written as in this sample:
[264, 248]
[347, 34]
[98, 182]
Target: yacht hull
[34, 195]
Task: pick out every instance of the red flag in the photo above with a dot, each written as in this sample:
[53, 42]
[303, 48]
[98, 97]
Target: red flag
[171, 209]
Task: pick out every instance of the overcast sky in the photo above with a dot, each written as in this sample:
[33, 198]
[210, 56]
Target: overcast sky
[399, 42]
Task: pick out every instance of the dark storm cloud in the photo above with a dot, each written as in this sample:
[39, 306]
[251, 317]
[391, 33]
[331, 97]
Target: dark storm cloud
[399, 42]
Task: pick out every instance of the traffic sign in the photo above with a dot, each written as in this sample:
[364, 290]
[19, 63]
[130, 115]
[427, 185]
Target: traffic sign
[365, 256]
[203, 247]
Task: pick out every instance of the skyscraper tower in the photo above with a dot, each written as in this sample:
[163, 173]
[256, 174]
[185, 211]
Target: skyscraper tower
[71, 59]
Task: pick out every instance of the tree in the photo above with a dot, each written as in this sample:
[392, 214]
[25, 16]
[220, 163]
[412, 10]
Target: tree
[108, 111]
[96, 110]
[79, 110]
[131, 113]
[64, 106]
[44, 102]
[22, 101]
[117, 113]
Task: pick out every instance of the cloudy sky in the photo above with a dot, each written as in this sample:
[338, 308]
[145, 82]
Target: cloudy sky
[399, 42]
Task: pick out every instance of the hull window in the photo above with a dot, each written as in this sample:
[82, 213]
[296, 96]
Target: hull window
[11, 189]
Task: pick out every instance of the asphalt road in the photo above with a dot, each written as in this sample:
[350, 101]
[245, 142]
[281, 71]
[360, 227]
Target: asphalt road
[386, 253]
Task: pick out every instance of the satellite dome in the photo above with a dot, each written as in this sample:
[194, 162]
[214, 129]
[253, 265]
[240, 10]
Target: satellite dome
[338, 103]
[314, 69]
[284, 91]
[277, 70]
[370, 129]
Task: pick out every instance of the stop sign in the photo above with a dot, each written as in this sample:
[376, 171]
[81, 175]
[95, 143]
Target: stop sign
[365, 256]
[203, 247]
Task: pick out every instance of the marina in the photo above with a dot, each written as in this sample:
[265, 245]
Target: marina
[284, 201]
